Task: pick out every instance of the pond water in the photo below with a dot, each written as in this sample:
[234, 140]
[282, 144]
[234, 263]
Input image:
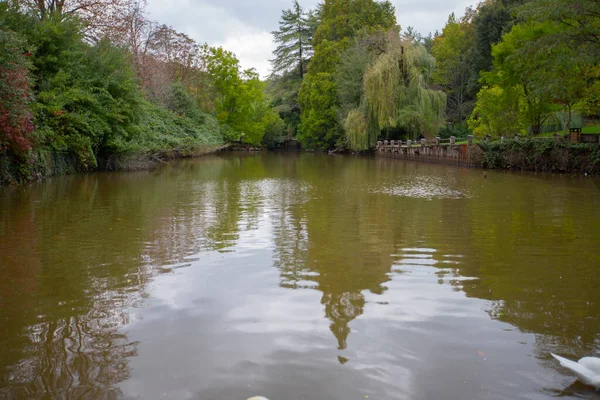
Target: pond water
[298, 277]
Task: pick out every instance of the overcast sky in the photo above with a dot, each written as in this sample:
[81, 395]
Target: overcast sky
[244, 26]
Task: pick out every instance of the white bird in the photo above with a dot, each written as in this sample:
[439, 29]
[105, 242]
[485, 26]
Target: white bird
[258, 398]
[587, 369]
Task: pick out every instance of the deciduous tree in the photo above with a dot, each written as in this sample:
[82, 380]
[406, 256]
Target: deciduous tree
[341, 21]
[452, 50]
[397, 95]
[16, 124]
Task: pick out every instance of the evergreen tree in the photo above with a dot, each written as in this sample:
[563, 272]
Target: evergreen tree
[294, 41]
[294, 49]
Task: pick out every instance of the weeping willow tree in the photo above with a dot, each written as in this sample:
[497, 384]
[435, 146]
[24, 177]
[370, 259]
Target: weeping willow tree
[397, 94]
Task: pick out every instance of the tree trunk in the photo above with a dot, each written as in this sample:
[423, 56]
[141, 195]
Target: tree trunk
[536, 128]
[568, 121]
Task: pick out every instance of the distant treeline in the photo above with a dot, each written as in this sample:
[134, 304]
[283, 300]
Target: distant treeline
[91, 80]
[84, 81]
[345, 74]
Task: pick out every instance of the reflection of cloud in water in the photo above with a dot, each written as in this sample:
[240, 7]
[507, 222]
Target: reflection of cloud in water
[423, 188]
[413, 271]
[229, 242]
[256, 192]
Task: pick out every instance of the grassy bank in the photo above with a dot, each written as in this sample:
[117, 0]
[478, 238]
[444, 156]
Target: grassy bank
[592, 130]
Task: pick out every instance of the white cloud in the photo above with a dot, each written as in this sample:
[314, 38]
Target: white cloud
[244, 26]
[428, 15]
[253, 49]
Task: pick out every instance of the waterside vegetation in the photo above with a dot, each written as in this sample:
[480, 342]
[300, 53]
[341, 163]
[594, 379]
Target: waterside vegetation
[97, 85]
[505, 67]
[88, 85]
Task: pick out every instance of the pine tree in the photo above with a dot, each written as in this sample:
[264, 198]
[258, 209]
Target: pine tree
[294, 41]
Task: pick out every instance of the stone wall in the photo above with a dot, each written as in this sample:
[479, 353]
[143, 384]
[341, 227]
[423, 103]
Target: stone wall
[550, 155]
[467, 155]
[589, 138]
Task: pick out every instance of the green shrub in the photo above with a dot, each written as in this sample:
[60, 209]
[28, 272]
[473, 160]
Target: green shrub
[541, 155]
[458, 131]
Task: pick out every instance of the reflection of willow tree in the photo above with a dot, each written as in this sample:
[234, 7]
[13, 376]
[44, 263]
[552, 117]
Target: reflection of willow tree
[339, 238]
[80, 251]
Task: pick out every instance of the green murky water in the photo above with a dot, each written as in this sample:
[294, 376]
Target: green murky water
[298, 277]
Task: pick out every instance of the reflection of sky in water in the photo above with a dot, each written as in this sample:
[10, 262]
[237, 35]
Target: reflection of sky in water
[423, 188]
[225, 319]
[223, 282]
[250, 330]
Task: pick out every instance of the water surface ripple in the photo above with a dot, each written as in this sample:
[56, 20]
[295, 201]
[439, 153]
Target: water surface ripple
[298, 277]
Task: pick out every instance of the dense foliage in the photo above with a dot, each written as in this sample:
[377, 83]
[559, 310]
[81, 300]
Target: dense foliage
[504, 67]
[94, 80]
[15, 93]
[396, 95]
[93, 83]
[341, 22]
[541, 155]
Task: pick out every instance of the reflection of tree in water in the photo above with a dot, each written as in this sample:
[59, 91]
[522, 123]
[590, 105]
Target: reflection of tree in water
[534, 256]
[62, 308]
[79, 253]
[79, 356]
[341, 309]
[337, 239]
[552, 290]
[77, 350]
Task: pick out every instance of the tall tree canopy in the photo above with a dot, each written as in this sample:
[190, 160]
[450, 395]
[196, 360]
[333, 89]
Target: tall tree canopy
[397, 95]
[547, 63]
[294, 41]
[568, 49]
[492, 19]
[291, 57]
[579, 20]
[96, 80]
[452, 50]
[100, 18]
[240, 101]
[341, 22]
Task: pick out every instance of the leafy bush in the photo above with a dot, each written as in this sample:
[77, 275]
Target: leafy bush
[458, 131]
[15, 95]
[160, 129]
[541, 155]
[274, 130]
[87, 95]
[88, 102]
